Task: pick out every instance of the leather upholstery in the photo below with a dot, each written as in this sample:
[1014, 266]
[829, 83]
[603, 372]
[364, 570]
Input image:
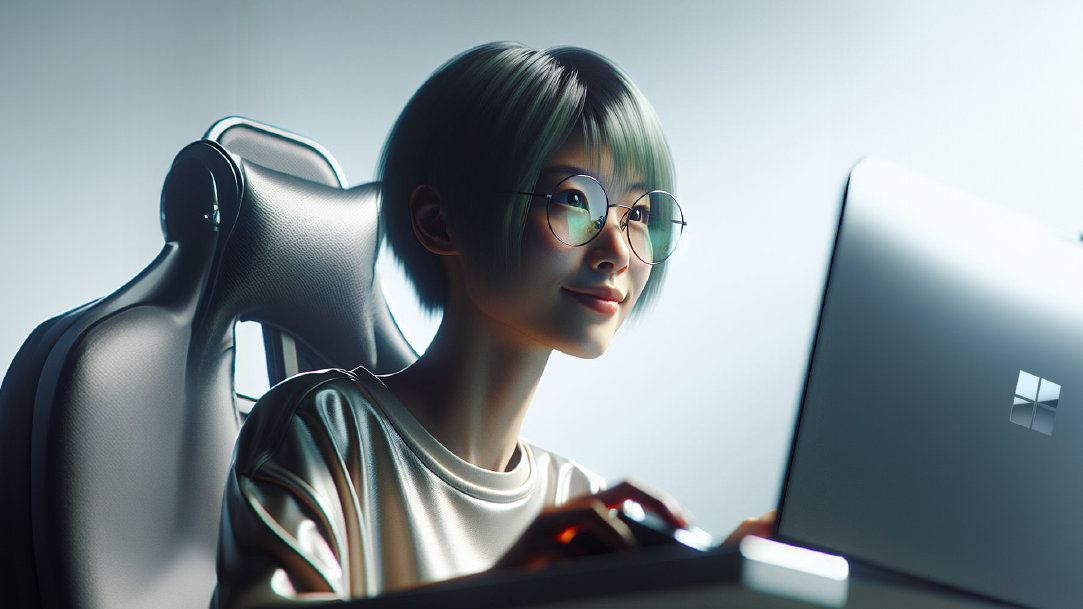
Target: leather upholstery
[117, 419]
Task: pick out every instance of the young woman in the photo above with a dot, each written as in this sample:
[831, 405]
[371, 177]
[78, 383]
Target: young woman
[527, 194]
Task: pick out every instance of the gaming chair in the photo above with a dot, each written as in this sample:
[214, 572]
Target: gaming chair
[117, 419]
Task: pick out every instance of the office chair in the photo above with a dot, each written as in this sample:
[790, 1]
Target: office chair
[117, 419]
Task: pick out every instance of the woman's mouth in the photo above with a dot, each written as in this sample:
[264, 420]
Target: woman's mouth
[604, 304]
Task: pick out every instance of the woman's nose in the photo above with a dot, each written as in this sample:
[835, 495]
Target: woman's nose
[610, 252]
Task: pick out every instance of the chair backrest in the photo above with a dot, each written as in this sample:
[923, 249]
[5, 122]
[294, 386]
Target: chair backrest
[117, 419]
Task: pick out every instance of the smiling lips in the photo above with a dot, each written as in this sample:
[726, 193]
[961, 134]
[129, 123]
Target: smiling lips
[603, 300]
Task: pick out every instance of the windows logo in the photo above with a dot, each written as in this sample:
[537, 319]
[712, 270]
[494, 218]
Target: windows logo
[1035, 403]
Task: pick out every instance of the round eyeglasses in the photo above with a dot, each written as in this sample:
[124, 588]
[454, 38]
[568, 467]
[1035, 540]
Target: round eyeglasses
[578, 208]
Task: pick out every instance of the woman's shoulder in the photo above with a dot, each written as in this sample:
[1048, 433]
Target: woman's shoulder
[297, 386]
[286, 397]
[308, 401]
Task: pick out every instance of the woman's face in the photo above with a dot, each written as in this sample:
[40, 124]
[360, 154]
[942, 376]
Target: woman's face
[571, 299]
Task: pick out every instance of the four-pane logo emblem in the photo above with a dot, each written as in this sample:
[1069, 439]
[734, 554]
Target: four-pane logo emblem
[1035, 404]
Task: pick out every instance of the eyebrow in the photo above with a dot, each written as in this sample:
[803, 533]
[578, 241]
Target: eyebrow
[571, 170]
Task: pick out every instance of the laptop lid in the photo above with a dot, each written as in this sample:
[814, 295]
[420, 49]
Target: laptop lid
[941, 429]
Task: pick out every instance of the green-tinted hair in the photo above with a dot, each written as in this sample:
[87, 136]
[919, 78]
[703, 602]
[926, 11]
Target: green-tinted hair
[481, 128]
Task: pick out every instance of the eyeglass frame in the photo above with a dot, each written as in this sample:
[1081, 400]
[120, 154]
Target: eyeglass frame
[622, 223]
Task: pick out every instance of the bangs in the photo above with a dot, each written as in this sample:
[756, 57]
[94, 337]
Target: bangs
[618, 120]
[632, 135]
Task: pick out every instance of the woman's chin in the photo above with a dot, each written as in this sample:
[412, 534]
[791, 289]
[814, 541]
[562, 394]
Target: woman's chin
[585, 349]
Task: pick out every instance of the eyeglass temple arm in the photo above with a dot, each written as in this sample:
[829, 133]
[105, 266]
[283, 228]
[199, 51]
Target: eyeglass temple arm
[535, 194]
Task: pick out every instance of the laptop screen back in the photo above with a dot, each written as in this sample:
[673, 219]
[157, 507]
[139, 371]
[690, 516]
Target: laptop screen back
[941, 429]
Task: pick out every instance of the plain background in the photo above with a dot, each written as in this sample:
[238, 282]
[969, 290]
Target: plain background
[767, 105]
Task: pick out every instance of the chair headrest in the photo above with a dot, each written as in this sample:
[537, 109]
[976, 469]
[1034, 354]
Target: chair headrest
[297, 251]
[301, 257]
[277, 149]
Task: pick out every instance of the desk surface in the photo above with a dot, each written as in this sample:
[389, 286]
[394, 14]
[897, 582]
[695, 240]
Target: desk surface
[674, 579]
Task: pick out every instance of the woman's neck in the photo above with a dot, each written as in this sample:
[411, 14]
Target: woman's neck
[472, 387]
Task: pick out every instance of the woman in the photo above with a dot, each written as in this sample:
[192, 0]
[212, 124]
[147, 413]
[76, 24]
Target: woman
[526, 194]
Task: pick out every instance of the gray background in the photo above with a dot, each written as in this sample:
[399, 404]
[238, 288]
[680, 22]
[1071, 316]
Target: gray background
[766, 104]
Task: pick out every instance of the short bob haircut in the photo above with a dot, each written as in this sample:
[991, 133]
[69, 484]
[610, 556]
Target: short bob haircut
[481, 128]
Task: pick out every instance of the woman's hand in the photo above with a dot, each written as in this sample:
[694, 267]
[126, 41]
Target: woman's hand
[761, 526]
[585, 526]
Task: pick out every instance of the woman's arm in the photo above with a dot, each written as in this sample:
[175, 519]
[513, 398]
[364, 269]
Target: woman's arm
[272, 549]
[290, 527]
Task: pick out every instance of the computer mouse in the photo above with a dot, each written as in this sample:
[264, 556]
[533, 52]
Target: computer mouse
[650, 529]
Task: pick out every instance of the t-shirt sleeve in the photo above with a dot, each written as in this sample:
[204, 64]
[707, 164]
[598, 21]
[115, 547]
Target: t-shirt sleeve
[291, 527]
[568, 479]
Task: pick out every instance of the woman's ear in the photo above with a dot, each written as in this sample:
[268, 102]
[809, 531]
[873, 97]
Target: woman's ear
[429, 222]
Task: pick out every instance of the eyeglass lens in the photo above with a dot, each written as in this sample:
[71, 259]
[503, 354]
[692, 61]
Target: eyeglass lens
[578, 207]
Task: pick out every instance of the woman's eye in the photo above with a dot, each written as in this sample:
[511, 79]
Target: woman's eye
[639, 214]
[572, 198]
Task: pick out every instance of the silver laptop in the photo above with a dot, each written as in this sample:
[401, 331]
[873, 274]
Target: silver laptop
[941, 429]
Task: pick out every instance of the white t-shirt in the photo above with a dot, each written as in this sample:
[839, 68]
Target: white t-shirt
[337, 491]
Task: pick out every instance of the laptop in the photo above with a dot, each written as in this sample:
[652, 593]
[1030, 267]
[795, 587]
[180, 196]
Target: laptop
[940, 433]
